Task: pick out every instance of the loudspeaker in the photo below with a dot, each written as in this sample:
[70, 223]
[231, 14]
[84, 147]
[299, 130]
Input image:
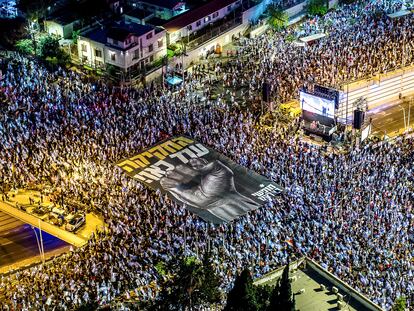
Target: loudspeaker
[359, 116]
[266, 92]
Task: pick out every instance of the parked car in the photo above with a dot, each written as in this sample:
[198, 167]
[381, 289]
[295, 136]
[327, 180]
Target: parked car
[75, 223]
[58, 211]
[41, 213]
[23, 207]
[55, 220]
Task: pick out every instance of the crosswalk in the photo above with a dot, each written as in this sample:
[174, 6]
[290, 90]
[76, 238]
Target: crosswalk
[8, 223]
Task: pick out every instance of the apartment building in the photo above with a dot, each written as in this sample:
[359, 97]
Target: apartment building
[164, 9]
[124, 44]
[192, 21]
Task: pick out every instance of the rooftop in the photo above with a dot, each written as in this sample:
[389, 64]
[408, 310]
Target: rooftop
[63, 17]
[155, 21]
[139, 13]
[314, 298]
[168, 4]
[196, 14]
[118, 31]
[309, 296]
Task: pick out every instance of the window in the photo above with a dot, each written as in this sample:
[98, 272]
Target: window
[136, 54]
[207, 18]
[149, 36]
[113, 56]
[198, 23]
[150, 48]
[229, 8]
[115, 41]
[190, 27]
[160, 43]
[215, 14]
[84, 49]
[98, 53]
[151, 58]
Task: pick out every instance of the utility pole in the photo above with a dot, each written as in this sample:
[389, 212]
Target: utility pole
[39, 245]
[41, 242]
[405, 120]
[182, 62]
[409, 112]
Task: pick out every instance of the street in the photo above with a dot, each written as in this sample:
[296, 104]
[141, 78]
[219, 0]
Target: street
[389, 120]
[18, 242]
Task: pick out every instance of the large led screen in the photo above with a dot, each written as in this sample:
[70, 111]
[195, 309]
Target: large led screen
[318, 105]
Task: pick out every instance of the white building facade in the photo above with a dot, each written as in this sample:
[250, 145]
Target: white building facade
[124, 45]
[190, 22]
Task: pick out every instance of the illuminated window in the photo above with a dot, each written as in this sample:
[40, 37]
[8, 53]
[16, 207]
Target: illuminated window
[207, 19]
[98, 53]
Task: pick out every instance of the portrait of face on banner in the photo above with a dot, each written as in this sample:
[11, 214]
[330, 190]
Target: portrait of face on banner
[208, 183]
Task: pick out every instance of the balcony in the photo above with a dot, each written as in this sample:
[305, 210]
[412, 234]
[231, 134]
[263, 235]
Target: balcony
[211, 31]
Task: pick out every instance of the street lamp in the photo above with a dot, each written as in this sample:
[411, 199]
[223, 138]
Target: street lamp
[409, 112]
[39, 243]
[405, 120]
[182, 61]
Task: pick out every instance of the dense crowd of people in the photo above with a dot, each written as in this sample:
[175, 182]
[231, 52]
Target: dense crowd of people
[352, 212]
[359, 37]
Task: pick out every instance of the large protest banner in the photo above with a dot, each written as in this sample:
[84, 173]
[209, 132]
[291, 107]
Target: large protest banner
[208, 183]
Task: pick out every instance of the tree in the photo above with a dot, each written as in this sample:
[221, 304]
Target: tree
[25, 46]
[12, 30]
[49, 46]
[191, 283]
[75, 36]
[242, 297]
[263, 296]
[282, 297]
[317, 7]
[275, 298]
[278, 18]
[400, 304]
[346, 1]
[35, 9]
[211, 282]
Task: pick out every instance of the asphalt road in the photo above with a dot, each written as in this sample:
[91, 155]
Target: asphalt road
[390, 119]
[18, 241]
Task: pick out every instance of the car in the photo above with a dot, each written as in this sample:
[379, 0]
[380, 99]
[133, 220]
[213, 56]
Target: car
[75, 223]
[23, 207]
[55, 220]
[58, 211]
[41, 213]
[47, 206]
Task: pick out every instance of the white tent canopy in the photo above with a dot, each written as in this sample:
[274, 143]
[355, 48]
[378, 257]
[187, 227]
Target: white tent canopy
[313, 37]
[399, 14]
